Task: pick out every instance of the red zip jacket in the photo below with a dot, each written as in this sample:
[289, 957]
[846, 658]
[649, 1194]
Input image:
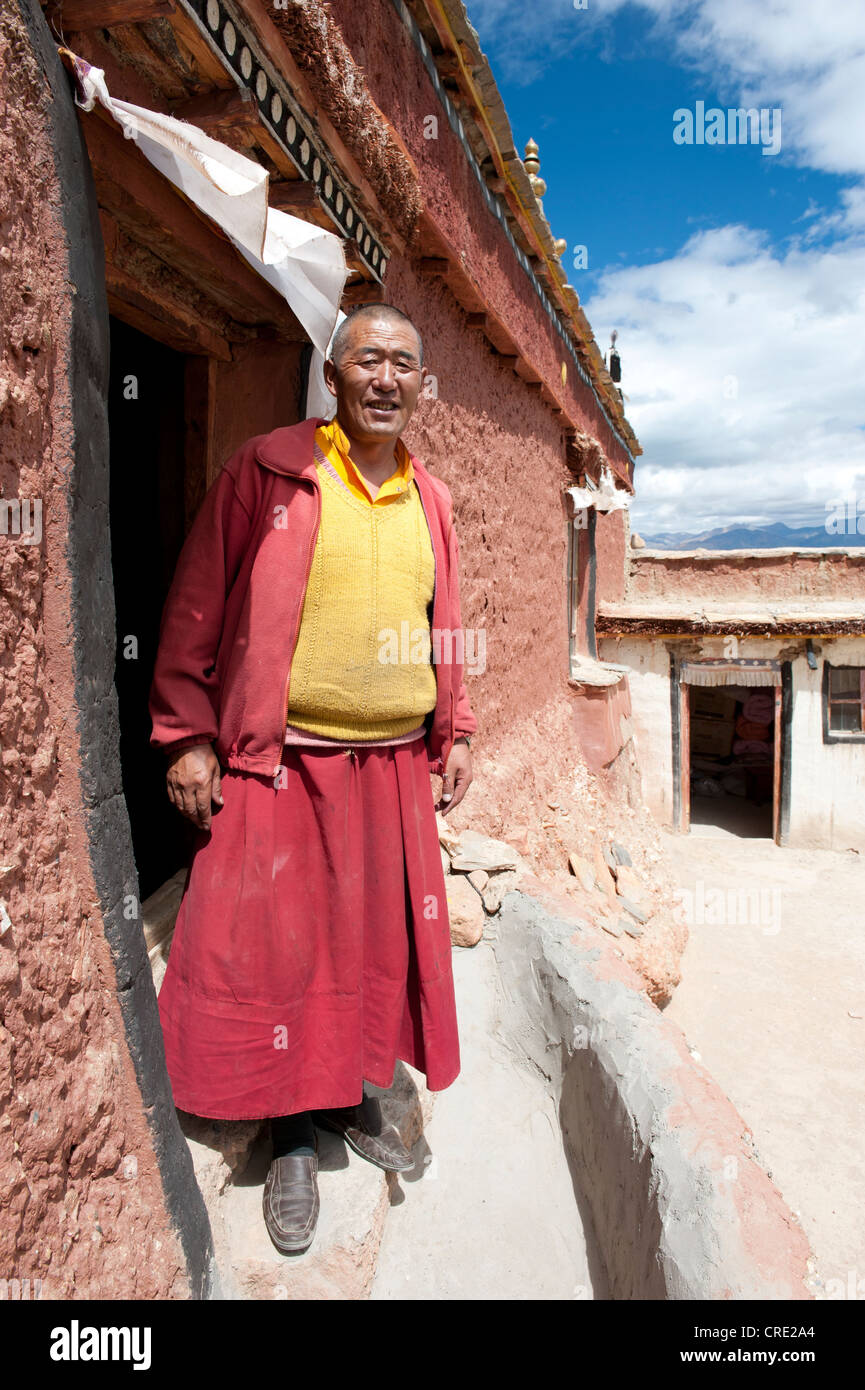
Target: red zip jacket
[233, 612]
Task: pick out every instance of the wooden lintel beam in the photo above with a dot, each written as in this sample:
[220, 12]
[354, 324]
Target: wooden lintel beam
[145, 204]
[525, 369]
[78, 15]
[159, 318]
[365, 292]
[296, 196]
[434, 265]
[448, 65]
[476, 320]
[231, 108]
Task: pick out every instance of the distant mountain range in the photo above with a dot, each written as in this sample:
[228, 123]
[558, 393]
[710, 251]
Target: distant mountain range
[739, 537]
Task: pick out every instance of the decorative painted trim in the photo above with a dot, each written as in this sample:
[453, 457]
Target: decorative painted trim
[497, 208]
[237, 48]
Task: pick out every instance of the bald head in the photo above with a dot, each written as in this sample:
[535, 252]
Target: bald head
[360, 317]
[375, 372]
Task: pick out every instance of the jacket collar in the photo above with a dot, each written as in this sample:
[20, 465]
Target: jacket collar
[289, 449]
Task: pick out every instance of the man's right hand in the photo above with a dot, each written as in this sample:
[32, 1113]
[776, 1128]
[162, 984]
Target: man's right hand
[193, 781]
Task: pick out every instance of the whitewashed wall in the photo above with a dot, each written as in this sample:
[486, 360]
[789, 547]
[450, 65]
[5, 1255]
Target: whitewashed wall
[827, 805]
[827, 801]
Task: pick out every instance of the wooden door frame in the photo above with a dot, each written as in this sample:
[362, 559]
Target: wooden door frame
[681, 721]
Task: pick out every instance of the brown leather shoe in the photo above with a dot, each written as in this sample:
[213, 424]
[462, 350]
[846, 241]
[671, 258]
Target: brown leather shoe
[362, 1127]
[290, 1201]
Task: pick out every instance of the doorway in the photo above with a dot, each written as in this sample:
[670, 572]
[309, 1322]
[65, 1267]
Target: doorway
[146, 424]
[730, 742]
[732, 748]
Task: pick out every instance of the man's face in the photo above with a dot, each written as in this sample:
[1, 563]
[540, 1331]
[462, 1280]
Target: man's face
[377, 380]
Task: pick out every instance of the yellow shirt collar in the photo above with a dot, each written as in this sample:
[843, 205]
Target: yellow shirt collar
[340, 454]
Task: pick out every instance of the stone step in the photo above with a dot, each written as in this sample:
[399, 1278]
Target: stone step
[231, 1160]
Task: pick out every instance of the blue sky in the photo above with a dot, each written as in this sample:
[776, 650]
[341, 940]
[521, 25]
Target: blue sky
[736, 280]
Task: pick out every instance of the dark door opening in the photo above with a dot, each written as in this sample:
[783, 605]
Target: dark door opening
[732, 758]
[147, 436]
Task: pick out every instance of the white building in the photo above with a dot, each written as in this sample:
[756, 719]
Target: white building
[747, 681]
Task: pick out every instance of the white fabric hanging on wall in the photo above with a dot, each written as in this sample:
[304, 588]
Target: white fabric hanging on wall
[319, 401]
[303, 262]
[604, 496]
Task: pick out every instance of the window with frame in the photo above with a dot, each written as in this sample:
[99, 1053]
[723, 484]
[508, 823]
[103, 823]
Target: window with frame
[844, 702]
[575, 526]
[573, 592]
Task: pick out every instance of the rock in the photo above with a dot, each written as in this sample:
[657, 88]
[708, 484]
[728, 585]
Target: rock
[583, 871]
[159, 911]
[634, 909]
[465, 911]
[630, 887]
[479, 852]
[520, 838]
[448, 837]
[629, 882]
[603, 877]
[479, 878]
[621, 855]
[220, 1149]
[630, 928]
[609, 859]
[497, 888]
[446, 860]
[612, 927]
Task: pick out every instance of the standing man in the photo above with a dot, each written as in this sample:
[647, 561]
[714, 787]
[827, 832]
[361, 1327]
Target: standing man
[309, 678]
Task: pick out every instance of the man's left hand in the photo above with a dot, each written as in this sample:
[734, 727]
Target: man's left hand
[457, 778]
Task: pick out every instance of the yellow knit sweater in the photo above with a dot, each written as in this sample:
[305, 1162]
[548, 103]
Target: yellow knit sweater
[361, 667]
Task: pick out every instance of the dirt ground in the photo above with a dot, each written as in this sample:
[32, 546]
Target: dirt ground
[772, 999]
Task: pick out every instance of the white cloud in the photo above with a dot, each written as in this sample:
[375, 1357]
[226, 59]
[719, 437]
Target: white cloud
[743, 370]
[805, 57]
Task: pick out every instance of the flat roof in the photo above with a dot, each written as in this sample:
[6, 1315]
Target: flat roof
[770, 552]
[796, 616]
